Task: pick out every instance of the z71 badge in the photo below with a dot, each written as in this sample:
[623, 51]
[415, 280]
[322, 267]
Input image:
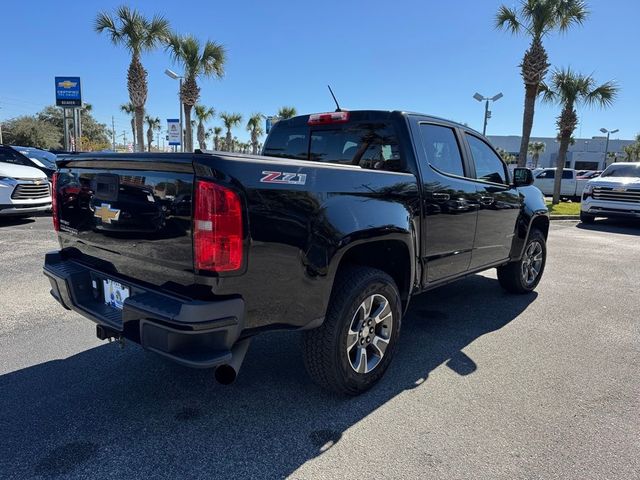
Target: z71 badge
[284, 177]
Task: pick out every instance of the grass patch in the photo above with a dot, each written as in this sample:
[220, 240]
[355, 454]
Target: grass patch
[564, 208]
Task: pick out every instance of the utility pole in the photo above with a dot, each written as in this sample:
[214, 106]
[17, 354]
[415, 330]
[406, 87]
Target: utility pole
[0, 131]
[124, 138]
[113, 132]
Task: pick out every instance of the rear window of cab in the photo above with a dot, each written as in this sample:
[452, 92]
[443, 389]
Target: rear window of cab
[368, 144]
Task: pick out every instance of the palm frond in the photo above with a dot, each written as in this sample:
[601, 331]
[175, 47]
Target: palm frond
[571, 12]
[507, 18]
[103, 22]
[157, 31]
[546, 93]
[213, 59]
[603, 95]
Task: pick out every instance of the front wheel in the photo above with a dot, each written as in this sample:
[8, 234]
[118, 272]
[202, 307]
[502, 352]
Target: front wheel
[523, 275]
[352, 349]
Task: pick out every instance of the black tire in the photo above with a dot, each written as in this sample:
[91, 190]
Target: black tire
[512, 276]
[587, 218]
[325, 349]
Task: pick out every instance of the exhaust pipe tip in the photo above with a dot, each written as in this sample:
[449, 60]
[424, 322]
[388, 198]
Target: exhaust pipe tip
[226, 374]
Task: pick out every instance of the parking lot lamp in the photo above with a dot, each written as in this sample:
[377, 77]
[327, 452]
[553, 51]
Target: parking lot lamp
[487, 112]
[606, 147]
[175, 76]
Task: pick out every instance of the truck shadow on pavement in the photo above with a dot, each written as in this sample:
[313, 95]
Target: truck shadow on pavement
[627, 227]
[129, 414]
[15, 221]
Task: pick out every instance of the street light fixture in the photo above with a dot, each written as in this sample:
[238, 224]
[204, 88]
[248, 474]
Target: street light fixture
[487, 112]
[606, 148]
[175, 76]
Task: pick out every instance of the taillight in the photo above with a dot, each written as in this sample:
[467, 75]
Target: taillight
[54, 202]
[327, 118]
[217, 228]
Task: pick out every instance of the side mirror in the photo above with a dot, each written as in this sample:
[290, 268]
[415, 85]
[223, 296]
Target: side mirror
[522, 177]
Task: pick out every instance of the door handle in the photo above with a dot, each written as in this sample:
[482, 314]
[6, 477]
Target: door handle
[440, 197]
[486, 200]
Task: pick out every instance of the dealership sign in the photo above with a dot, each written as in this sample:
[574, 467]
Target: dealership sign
[68, 92]
[173, 129]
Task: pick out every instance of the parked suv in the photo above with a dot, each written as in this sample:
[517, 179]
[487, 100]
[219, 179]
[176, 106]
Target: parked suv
[40, 159]
[615, 193]
[24, 190]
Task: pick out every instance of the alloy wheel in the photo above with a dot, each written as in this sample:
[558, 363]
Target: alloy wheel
[369, 333]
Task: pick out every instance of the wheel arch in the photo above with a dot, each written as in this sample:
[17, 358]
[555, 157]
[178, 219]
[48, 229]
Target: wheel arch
[392, 256]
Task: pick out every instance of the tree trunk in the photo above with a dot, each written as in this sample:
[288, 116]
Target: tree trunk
[530, 94]
[229, 141]
[188, 137]
[140, 128]
[562, 155]
[133, 132]
[201, 136]
[137, 86]
[254, 142]
[149, 139]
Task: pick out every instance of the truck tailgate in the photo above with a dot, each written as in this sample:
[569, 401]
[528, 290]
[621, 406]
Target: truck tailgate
[130, 215]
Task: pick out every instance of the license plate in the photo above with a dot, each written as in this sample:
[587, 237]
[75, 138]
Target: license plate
[114, 293]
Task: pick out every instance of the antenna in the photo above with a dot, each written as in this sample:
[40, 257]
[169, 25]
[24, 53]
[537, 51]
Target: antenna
[338, 109]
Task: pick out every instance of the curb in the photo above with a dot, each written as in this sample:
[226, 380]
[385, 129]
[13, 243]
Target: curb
[564, 217]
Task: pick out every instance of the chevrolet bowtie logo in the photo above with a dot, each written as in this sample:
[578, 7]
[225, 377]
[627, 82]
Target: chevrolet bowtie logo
[106, 213]
[67, 84]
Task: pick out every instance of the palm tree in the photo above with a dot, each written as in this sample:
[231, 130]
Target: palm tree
[230, 120]
[631, 152]
[198, 61]
[129, 28]
[287, 112]
[570, 89]
[129, 109]
[536, 19]
[254, 125]
[152, 124]
[217, 131]
[203, 114]
[536, 149]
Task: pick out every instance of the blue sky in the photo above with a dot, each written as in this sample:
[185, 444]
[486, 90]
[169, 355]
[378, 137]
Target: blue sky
[428, 56]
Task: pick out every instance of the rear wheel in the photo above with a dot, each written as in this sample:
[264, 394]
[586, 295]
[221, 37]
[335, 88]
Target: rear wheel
[352, 349]
[587, 218]
[523, 275]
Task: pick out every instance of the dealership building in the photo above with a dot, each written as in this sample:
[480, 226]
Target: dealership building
[584, 154]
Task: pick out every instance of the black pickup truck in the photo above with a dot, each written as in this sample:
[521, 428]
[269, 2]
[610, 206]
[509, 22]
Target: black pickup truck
[332, 230]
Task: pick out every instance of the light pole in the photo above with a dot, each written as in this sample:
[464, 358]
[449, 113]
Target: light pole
[606, 148]
[175, 76]
[487, 112]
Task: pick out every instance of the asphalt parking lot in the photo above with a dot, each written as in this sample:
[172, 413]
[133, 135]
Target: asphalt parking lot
[485, 385]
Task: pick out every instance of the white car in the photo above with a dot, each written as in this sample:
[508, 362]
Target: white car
[24, 191]
[615, 193]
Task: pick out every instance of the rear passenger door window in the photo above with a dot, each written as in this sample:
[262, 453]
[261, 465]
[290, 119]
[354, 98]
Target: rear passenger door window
[441, 149]
[489, 166]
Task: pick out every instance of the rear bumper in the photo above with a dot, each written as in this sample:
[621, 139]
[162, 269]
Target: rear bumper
[194, 333]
